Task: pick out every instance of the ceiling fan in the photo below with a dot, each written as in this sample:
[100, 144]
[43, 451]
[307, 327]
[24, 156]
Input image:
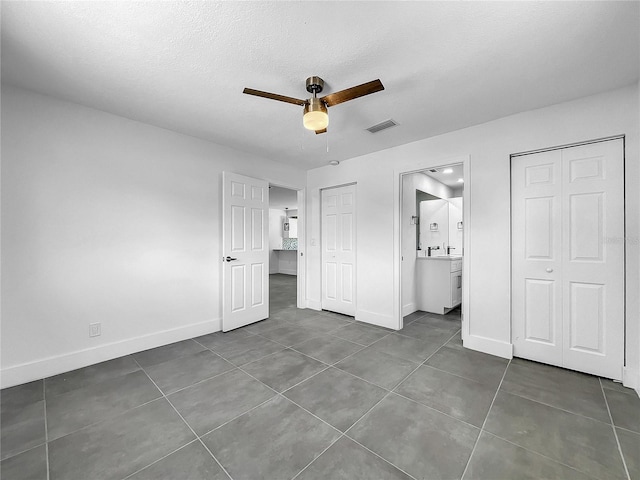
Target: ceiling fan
[315, 115]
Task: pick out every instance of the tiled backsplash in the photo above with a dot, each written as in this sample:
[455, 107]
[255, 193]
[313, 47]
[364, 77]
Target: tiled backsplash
[289, 243]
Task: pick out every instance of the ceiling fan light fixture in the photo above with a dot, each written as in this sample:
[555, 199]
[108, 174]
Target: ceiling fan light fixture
[315, 115]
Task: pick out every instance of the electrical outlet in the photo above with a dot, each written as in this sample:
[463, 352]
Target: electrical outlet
[95, 329]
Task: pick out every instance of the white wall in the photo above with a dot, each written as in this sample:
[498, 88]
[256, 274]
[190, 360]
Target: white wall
[288, 262]
[488, 185]
[455, 234]
[107, 220]
[276, 218]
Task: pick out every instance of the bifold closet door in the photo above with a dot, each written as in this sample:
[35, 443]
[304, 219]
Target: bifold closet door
[568, 257]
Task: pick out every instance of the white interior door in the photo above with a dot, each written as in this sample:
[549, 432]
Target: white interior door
[568, 257]
[245, 219]
[339, 249]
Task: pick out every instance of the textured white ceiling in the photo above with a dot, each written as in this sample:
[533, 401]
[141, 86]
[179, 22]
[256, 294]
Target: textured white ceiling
[445, 65]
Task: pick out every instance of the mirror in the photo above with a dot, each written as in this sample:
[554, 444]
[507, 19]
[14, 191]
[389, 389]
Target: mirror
[434, 199]
[441, 226]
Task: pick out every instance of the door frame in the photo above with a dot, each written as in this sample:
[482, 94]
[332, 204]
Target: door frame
[301, 281]
[355, 243]
[397, 234]
[302, 258]
[625, 372]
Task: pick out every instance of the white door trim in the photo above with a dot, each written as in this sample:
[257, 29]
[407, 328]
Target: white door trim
[397, 237]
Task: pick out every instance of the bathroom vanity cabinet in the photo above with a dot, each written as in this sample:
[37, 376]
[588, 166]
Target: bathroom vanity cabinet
[439, 285]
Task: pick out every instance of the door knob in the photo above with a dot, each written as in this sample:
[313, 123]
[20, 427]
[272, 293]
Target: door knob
[549, 270]
[229, 259]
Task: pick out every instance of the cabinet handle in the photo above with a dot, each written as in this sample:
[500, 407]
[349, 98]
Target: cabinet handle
[549, 270]
[460, 281]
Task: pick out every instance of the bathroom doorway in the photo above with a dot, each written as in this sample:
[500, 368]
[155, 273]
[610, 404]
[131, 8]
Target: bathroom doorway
[432, 241]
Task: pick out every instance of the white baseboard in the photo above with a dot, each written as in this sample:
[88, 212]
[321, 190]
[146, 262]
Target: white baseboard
[489, 345]
[631, 378]
[409, 308]
[47, 367]
[314, 304]
[386, 321]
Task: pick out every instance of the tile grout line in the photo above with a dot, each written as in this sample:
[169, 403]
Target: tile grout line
[342, 434]
[423, 363]
[330, 364]
[238, 366]
[556, 407]
[389, 392]
[475, 445]
[533, 452]
[379, 456]
[161, 458]
[184, 421]
[46, 427]
[107, 418]
[615, 434]
[238, 416]
[316, 458]
[43, 444]
[627, 430]
[327, 366]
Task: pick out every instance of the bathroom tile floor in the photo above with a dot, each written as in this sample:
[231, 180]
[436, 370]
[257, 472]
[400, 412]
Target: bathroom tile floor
[316, 395]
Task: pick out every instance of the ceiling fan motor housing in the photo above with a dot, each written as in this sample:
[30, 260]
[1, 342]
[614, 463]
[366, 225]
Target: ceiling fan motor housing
[315, 84]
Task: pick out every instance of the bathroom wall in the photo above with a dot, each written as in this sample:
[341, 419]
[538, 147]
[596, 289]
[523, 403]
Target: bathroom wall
[455, 233]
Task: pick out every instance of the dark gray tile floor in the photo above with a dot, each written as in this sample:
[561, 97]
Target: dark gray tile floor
[317, 395]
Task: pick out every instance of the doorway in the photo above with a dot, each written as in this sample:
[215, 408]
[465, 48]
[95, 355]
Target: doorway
[442, 243]
[246, 248]
[567, 284]
[284, 247]
[432, 241]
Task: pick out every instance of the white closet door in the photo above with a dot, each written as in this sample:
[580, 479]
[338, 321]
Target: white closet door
[537, 257]
[593, 259]
[568, 258]
[339, 249]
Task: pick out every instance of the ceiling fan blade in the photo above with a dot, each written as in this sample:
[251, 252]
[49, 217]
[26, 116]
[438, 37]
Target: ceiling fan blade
[353, 92]
[274, 96]
[318, 132]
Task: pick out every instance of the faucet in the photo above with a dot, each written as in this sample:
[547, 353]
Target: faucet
[449, 248]
[429, 249]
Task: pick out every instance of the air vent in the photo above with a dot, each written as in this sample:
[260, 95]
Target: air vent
[382, 126]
